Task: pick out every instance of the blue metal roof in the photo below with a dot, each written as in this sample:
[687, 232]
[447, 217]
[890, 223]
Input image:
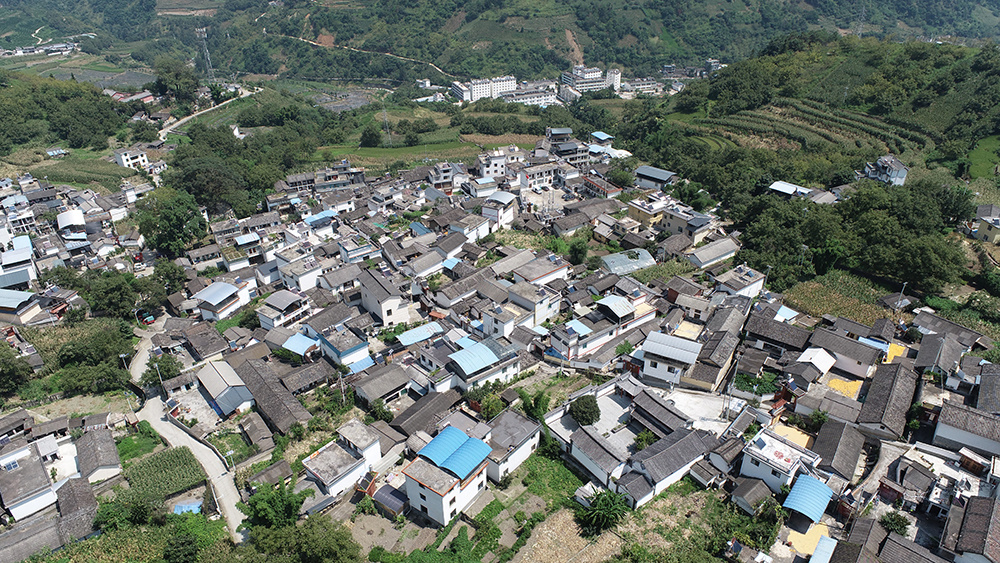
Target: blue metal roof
[16, 277]
[465, 342]
[247, 239]
[10, 299]
[809, 496]
[361, 365]
[419, 229]
[578, 327]
[601, 135]
[824, 550]
[874, 343]
[419, 334]
[442, 446]
[474, 358]
[455, 451]
[451, 263]
[539, 329]
[299, 344]
[22, 241]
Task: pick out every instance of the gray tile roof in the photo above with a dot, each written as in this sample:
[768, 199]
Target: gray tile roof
[939, 351]
[839, 445]
[383, 381]
[422, 414]
[275, 403]
[970, 420]
[844, 347]
[654, 407]
[668, 455]
[752, 490]
[889, 397]
[980, 532]
[783, 334]
[606, 455]
[898, 549]
[96, 449]
[77, 508]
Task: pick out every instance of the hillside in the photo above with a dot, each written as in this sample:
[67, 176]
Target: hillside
[466, 38]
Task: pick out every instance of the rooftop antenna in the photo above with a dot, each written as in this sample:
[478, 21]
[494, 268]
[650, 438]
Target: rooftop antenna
[202, 33]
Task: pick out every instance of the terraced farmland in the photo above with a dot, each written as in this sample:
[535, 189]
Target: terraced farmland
[816, 127]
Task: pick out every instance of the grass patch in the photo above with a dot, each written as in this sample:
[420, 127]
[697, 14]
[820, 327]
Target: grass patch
[48, 340]
[984, 158]
[840, 294]
[663, 271]
[136, 445]
[550, 479]
[84, 170]
[232, 441]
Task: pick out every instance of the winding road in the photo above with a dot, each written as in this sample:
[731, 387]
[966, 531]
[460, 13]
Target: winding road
[170, 128]
[400, 57]
[222, 481]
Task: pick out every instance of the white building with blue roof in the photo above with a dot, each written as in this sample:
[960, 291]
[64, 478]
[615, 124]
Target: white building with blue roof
[447, 476]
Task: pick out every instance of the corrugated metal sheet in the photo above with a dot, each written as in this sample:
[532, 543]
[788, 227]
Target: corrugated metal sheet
[618, 305]
[673, 347]
[419, 334]
[299, 344]
[474, 358]
[809, 496]
[455, 451]
[10, 299]
[215, 293]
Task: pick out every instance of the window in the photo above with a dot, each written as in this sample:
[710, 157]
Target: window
[775, 473]
[423, 496]
[754, 462]
[453, 512]
[652, 364]
[481, 485]
[423, 509]
[388, 312]
[452, 503]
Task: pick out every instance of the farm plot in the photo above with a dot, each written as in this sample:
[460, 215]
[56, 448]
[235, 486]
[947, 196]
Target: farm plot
[166, 473]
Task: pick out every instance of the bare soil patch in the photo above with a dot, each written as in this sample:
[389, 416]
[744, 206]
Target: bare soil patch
[508, 139]
[326, 39]
[454, 22]
[559, 540]
[576, 52]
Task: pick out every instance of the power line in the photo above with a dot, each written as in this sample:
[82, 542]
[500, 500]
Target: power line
[202, 33]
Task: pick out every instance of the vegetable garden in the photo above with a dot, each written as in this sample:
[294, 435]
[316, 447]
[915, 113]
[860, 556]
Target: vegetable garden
[166, 473]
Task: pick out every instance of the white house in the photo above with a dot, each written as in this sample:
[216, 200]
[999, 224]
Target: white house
[220, 300]
[775, 459]
[513, 437]
[24, 483]
[961, 426]
[602, 458]
[542, 270]
[663, 463]
[667, 358]
[500, 208]
[382, 298]
[131, 158]
[474, 227]
[302, 275]
[339, 465]
[282, 308]
[447, 476]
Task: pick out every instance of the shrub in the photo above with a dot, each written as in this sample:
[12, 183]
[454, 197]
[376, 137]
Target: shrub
[606, 509]
[585, 410]
[895, 522]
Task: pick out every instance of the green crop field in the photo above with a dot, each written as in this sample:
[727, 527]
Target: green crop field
[166, 473]
[985, 157]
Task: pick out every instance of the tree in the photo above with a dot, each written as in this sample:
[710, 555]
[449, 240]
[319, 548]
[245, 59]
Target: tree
[895, 522]
[491, 406]
[175, 78]
[170, 221]
[273, 508]
[14, 370]
[170, 275]
[624, 348]
[585, 410]
[411, 139]
[181, 549]
[112, 295]
[606, 509]
[379, 411]
[169, 366]
[643, 439]
[577, 251]
[370, 136]
[315, 541]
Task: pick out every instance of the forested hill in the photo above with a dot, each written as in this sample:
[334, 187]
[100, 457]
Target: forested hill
[472, 38]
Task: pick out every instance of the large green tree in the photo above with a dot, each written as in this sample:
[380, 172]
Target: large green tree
[316, 540]
[273, 507]
[14, 370]
[170, 221]
[585, 410]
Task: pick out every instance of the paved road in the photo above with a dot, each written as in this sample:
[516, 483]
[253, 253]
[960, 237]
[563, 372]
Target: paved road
[170, 128]
[225, 488]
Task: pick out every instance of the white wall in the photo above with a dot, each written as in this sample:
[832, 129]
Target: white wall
[971, 558]
[951, 437]
[104, 473]
[763, 472]
[514, 459]
[32, 505]
[602, 476]
[664, 372]
[440, 508]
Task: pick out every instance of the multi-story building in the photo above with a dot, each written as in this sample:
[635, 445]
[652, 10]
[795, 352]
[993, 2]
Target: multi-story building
[591, 79]
[447, 476]
[500, 208]
[776, 460]
[483, 88]
[131, 158]
[536, 97]
[887, 169]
